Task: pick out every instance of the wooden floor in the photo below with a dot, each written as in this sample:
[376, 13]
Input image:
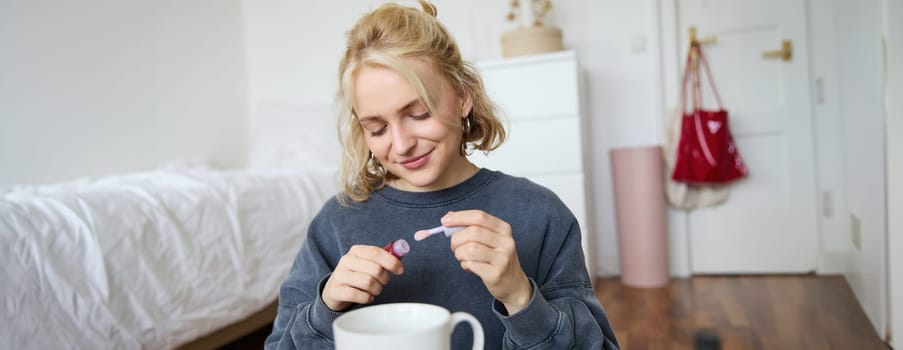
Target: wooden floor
[747, 312]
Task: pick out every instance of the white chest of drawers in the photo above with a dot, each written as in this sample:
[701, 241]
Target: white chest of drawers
[539, 96]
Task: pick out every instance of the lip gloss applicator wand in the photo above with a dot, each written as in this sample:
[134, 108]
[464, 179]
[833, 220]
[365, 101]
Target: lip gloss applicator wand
[448, 231]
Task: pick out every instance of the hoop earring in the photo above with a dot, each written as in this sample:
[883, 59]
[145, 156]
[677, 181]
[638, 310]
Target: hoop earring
[466, 127]
[375, 167]
[464, 150]
[465, 124]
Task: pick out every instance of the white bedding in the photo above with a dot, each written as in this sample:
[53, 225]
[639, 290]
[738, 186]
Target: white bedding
[150, 260]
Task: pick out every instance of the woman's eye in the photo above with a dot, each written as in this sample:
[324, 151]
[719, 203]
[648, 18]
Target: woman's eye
[381, 131]
[421, 116]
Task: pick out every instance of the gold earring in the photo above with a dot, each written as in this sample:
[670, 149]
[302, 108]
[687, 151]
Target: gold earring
[375, 167]
[465, 125]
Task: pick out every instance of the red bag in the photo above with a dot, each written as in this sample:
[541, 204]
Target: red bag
[706, 152]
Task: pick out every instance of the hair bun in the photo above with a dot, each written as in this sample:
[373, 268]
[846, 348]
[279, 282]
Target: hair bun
[428, 7]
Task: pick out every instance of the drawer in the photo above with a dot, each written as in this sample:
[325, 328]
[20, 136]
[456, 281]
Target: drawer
[536, 147]
[539, 90]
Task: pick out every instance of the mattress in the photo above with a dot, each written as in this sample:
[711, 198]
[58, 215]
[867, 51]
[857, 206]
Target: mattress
[148, 260]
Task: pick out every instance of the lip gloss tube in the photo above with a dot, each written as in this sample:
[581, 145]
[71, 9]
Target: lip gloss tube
[398, 248]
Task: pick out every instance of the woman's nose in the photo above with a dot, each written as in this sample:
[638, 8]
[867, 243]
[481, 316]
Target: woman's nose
[403, 140]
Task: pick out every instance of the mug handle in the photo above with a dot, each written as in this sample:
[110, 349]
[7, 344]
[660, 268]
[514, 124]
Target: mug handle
[474, 325]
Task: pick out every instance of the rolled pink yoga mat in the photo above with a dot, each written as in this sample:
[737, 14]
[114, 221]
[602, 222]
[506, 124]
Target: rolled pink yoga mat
[640, 204]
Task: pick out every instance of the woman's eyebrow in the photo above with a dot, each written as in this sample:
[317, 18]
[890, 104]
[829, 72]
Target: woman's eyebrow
[409, 105]
[400, 110]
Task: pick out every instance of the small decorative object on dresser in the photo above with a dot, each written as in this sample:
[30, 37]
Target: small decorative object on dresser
[532, 35]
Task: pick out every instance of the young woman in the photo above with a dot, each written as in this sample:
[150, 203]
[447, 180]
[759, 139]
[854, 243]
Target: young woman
[413, 109]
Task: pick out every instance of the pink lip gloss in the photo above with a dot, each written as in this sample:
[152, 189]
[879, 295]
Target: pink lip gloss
[398, 249]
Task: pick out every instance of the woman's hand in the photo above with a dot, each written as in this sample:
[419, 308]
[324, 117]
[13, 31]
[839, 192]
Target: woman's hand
[359, 277]
[486, 248]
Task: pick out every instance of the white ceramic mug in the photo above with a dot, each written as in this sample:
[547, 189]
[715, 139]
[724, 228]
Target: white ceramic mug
[401, 326]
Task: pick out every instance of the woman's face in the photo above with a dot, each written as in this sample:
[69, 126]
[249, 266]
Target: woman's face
[421, 148]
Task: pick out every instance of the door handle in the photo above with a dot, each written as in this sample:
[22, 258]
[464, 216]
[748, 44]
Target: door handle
[785, 53]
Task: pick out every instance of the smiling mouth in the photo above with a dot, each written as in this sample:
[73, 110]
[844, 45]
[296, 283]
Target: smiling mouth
[418, 162]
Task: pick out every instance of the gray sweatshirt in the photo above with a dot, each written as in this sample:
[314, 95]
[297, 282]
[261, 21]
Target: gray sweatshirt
[562, 314]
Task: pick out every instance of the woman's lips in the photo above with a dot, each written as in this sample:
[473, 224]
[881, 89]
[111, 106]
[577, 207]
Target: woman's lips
[418, 162]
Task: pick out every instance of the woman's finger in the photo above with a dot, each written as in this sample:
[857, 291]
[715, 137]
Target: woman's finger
[360, 265]
[476, 234]
[476, 218]
[476, 252]
[490, 274]
[379, 256]
[363, 282]
[350, 295]
[359, 276]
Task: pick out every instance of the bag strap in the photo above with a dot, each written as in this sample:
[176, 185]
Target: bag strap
[691, 71]
[690, 65]
[711, 79]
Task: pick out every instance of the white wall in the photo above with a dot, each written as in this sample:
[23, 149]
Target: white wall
[294, 47]
[95, 87]
[294, 50]
[893, 22]
[858, 28]
[615, 42]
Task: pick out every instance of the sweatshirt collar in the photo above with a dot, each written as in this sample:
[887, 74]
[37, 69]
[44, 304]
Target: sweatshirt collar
[438, 198]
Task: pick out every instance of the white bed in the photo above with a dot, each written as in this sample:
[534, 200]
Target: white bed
[150, 260]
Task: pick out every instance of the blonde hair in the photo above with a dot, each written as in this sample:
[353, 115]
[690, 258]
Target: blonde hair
[391, 37]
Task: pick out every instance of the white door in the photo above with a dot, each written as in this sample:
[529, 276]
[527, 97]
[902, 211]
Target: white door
[769, 223]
